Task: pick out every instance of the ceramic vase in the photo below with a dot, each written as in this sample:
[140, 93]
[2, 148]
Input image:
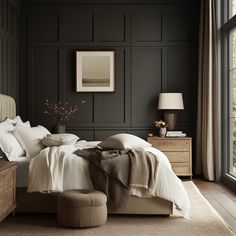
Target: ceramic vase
[162, 132]
[58, 129]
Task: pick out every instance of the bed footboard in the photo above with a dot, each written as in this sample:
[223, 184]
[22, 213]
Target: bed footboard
[47, 203]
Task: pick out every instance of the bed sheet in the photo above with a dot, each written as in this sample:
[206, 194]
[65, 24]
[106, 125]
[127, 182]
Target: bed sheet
[22, 171]
[24, 162]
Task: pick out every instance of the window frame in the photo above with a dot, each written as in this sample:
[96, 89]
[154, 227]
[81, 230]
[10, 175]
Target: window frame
[226, 131]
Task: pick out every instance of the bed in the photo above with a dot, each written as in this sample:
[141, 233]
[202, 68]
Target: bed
[46, 202]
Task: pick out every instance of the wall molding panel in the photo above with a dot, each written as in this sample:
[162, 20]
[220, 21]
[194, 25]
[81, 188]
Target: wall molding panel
[9, 48]
[154, 52]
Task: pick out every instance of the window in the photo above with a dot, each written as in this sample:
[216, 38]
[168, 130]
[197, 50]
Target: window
[232, 100]
[229, 81]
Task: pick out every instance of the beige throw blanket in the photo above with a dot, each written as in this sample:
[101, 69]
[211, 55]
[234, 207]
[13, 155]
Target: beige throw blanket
[116, 171]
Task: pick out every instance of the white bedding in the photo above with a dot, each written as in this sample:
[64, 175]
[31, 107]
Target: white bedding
[58, 169]
[22, 171]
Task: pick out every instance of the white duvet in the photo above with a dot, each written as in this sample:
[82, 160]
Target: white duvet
[58, 169]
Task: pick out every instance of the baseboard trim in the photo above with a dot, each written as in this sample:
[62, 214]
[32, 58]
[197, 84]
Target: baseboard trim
[229, 181]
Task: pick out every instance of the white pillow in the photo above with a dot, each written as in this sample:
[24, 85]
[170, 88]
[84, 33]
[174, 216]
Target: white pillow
[14, 121]
[18, 121]
[23, 124]
[124, 141]
[59, 139]
[30, 138]
[8, 142]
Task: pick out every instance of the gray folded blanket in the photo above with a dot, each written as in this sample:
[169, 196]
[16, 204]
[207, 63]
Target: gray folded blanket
[115, 171]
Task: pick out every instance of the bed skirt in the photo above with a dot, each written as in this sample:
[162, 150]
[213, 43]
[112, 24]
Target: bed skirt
[47, 203]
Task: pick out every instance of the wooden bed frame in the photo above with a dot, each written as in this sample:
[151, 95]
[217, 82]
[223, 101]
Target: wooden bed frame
[47, 203]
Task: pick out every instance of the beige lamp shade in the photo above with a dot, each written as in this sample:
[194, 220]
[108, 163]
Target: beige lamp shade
[170, 101]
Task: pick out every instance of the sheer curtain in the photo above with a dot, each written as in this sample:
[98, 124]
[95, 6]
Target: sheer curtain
[208, 118]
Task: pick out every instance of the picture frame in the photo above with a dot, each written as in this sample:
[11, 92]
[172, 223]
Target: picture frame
[95, 71]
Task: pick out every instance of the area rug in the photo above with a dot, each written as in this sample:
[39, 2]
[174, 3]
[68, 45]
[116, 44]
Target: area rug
[204, 220]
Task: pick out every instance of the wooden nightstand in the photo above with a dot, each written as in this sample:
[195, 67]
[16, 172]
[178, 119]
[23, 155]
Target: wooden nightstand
[7, 188]
[178, 150]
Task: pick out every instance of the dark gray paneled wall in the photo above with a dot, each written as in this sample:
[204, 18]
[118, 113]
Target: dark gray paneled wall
[154, 52]
[9, 45]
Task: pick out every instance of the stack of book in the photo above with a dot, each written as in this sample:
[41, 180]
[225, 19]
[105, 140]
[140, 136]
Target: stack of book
[175, 134]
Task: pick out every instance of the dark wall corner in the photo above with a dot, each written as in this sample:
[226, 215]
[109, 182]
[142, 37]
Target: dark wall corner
[9, 48]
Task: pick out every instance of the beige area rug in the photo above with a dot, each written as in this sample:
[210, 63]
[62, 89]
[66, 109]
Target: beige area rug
[204, 221]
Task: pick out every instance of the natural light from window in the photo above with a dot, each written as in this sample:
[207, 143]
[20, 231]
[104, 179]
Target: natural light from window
[232, 73]
[233, 8]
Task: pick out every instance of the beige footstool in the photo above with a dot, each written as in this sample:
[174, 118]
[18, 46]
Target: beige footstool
[82, 208]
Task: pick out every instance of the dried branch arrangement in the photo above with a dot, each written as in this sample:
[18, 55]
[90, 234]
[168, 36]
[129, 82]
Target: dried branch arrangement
[58, 111]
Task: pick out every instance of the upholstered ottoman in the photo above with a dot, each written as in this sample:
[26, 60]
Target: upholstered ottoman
[82, 208]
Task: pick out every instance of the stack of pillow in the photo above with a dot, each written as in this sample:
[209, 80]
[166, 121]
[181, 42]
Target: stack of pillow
[18, 138]
[9, 145]
[15, 141]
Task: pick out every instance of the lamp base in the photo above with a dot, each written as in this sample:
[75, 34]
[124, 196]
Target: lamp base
[170, 117]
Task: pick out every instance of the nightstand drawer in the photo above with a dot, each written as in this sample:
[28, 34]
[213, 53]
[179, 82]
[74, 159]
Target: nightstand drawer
[171, 145]
[178, 150]
[6, 181]
[181, 168]
[178, 156]
[6, 201]
[7, 188]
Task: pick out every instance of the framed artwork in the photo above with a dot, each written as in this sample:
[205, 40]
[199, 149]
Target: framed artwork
[95, 71]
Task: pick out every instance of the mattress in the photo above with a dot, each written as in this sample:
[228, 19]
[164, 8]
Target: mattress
[23, 164]
[22, 171]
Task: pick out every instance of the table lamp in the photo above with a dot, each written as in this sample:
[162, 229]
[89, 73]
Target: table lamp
[170, 102]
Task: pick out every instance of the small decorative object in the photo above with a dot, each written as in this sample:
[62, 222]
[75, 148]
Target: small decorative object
[162, 132]
[170, 102]
[58, 129]
[61, 113]
[162, 127]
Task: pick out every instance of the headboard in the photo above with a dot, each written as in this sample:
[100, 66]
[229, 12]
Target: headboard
[7, 107]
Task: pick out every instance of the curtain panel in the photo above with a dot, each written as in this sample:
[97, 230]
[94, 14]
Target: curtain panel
[208, 115]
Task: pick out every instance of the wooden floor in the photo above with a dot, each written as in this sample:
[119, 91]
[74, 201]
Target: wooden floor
[221, 198]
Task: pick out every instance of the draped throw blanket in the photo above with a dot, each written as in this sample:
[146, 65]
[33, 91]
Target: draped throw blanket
[114, 172]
